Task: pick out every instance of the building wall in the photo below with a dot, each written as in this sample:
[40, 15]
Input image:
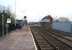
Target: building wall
[62, 26]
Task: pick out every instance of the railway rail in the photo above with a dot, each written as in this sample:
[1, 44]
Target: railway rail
[41, 43]
[48, 40]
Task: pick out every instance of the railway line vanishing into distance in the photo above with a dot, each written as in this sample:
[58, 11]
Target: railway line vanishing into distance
[48, 40]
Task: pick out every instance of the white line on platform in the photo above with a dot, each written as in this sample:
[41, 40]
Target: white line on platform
[34, 43]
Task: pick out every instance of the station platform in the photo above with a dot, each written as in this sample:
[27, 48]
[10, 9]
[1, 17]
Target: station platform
[20, 39]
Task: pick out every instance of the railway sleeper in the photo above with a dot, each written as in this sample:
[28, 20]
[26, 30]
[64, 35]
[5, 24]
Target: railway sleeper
[55, 42]
[42, 43]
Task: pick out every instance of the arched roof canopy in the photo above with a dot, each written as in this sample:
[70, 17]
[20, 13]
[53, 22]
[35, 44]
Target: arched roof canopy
[48, 18]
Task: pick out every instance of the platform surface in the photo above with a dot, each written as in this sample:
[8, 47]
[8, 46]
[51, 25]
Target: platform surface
[20, 39]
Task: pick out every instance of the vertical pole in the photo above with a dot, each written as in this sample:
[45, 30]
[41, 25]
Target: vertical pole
[2, 25]
[15, 13]
[7, 28]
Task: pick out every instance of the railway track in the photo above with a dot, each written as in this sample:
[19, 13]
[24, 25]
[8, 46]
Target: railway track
[41, 42]
[50, 40]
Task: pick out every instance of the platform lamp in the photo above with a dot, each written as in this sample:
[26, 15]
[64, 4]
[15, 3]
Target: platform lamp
[7, 24]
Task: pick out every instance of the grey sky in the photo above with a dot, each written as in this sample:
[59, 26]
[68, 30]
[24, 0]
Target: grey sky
[37, 9]
[8, 3]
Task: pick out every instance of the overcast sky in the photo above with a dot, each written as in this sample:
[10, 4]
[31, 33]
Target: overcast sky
[37, 9]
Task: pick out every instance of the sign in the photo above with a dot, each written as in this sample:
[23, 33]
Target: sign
[8, 20]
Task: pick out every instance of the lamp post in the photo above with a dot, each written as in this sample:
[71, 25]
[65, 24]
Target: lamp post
[2, 24]
[7, 24]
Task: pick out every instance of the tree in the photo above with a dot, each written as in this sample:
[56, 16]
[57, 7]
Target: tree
[62, 19]
[4, 15]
